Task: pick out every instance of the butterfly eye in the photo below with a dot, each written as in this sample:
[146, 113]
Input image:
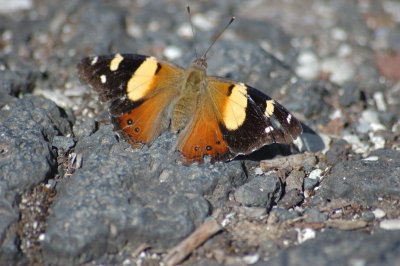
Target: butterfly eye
[129, 121]
[209, 148]
[137, 129]
[197, 148]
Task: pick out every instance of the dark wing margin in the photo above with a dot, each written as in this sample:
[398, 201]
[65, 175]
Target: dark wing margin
[266, 122]
[109, 83]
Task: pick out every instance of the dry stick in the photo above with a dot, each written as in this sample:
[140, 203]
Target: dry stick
[198, 237]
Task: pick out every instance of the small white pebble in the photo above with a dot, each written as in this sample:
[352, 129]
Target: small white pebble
[344, 50]
[393, 8]
[41, 237]
[340, 70]
[172, 52]
[336, 114]
[308, 65]
[251, 259]
[127, 262]
[339, 34]
[371, 158]
[228, 218]
[356, 144]
[15, 5]
[357, 262]
[305, 234]
[315, 174]
[379, 213]
[258, 171]
[185, 31]
[380, 101]
[142, 254]
[203, 22]
[390, 224]
[378, 141]
[134, 30]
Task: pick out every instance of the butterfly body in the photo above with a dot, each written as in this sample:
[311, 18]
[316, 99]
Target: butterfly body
[212, 116]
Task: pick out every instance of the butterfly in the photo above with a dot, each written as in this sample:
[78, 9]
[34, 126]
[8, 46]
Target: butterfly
[212, 116]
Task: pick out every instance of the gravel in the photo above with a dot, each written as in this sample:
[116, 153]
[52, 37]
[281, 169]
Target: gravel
[74, 192]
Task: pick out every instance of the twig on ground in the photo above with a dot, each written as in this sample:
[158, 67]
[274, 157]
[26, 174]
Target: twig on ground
[198, 237]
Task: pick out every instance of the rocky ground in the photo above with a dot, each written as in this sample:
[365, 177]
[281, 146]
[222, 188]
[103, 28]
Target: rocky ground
[72, 192]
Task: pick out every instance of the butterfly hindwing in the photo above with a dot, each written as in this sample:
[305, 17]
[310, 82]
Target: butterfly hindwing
[139, 89]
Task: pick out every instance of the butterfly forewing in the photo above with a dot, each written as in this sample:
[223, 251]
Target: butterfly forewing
[139, 89]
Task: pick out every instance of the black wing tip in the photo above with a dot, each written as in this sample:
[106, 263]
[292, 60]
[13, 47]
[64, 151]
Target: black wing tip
[83, 69]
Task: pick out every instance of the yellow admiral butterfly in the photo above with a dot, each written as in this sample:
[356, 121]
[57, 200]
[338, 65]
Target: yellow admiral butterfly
[213, 116]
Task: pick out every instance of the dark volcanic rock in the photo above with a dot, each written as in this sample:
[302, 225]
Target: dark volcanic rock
[314, 215]
[337, 152]
[123, 196]
[111, 198]
[25, 132]
[284, 214]
[62, 142]
[85, 128]
[261, 191]
[26, 157]
[335, 247]
[363, 181]
[291, 198]
[310, 183]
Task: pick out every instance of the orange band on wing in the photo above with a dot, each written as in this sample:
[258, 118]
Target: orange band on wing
[142, 79]
[234, 112]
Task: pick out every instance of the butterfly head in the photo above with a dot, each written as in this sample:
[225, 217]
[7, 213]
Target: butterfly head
[199, 63]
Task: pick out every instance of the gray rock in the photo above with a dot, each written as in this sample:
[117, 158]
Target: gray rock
[364, 181]
[368, 216]
[261, 191]
[295, 180]
[9, 251]
[310, 183]
[123, 196]
[291, 198]
[26, 154]
[16, 82]
[26, 158]
[284, 214]
[351, 94]
[335, 247]
[85, 128]
[314, 215]
[268, 248]
[309, 98]
[62, 142]
[338, 151]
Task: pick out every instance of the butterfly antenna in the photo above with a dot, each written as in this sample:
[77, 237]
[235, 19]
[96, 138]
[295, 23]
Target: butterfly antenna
[217, 37]
[193, 33]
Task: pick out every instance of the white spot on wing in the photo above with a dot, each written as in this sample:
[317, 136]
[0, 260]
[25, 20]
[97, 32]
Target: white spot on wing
[269, 129]
[103, 79]
[289, 118]
[94, 60]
